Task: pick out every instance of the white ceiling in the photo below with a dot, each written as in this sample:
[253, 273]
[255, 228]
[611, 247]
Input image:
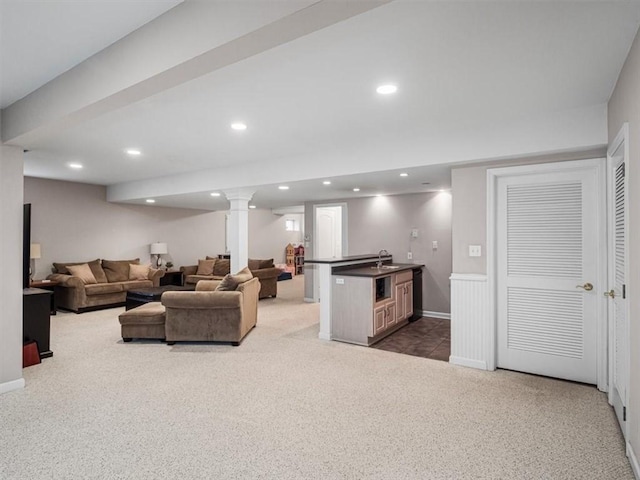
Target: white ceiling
[42, 39]
[459, 66]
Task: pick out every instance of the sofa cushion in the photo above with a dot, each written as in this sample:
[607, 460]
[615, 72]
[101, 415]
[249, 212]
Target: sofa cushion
[103, 288]
[151, 313]
[133, 284]
[83, 272]
[197, 278]
[94, 265]
[138, 272]
[118, 270]
[222, 267]
[231, 282]
[205, 267]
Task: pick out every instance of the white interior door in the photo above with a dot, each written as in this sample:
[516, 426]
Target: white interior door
[547, 267]
[618, 274]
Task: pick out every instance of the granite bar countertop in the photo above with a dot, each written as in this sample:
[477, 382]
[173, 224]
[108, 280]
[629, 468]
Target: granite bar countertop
[374, 272]
[349, 258]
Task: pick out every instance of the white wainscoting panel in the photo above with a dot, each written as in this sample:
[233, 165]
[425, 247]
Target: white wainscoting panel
[470, 326]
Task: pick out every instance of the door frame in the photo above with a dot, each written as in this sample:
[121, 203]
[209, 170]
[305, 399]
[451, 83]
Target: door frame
[622, 139]
[345, 243]
[599, 164]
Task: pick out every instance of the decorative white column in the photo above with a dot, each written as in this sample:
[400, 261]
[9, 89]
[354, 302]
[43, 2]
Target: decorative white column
[239, 227]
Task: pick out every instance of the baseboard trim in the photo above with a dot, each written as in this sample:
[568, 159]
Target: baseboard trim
[441, 315]
[12, 385]
[633, 460]
[308, 300]
[468, 362]
[324, 336]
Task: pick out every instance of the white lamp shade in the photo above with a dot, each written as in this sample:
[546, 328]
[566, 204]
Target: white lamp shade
[34, 251]
[158, 249]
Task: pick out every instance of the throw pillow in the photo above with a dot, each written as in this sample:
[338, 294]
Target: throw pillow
[205, 267]
[83, 272]
[253, 264]
[138, 272]
[266, 263]
[230, 282]
[222, 267]
[118, 270]
[94, 265]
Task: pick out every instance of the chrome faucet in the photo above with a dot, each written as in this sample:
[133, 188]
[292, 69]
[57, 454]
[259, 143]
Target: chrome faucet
[380, 253]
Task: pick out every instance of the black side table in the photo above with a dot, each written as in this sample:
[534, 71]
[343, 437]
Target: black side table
[36, 322]
[47, 285]
[172, 277]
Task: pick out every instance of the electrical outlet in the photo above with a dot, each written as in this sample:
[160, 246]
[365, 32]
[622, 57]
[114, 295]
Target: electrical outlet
[434, 245]
[339, 281]
[475, 250]
[409, 256]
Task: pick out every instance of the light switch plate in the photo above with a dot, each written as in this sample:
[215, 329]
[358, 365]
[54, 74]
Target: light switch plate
[475, 250]
[409, 256]
[434, 245]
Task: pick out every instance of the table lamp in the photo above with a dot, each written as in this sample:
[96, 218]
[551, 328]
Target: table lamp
[34, 252]
[158, 249]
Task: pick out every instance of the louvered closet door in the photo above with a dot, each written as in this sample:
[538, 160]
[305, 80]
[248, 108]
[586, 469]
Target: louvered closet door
[620, 323]
[547, 241]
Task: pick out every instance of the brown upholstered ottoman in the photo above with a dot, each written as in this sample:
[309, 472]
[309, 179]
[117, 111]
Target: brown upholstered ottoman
[145, 321]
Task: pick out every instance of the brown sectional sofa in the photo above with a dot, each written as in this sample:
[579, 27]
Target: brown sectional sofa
[264, 270]
[110, 290]
[210, 315]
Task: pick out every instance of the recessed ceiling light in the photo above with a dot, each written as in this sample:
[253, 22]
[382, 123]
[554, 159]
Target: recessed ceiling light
[239, 126]
[327, 182]
[283, 187]
[404, 174]
[150, 200]
[356, 189]
[252, 206]
[386, 89]
[215, 194]
[133, 152]
[77, 166]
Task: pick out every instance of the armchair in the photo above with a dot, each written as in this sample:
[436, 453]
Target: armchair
[209, 315]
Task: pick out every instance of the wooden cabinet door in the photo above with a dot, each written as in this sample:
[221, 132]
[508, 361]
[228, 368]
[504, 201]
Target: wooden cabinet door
[408, 299]
[400, 313]
[391, 315]
[379, 317]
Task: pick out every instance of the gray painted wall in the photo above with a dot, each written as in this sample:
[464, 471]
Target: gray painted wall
[11, 167]
[386, 222]
[74, 222]
[469, 215]
[624, 106]
[268, 237]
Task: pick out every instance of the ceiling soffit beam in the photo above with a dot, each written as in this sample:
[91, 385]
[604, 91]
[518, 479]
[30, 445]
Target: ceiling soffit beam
[32, 118]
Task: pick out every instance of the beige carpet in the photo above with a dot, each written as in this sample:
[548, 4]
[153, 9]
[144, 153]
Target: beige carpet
[285, 405]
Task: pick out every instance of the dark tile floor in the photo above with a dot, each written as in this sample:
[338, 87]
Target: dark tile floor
[426, 337]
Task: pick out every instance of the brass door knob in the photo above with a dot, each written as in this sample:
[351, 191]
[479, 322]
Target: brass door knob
[587, 286]
[610, 293]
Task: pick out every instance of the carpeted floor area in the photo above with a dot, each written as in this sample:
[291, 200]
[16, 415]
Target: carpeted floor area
[285, 405]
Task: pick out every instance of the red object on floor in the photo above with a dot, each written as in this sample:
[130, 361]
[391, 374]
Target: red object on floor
[30, 354]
